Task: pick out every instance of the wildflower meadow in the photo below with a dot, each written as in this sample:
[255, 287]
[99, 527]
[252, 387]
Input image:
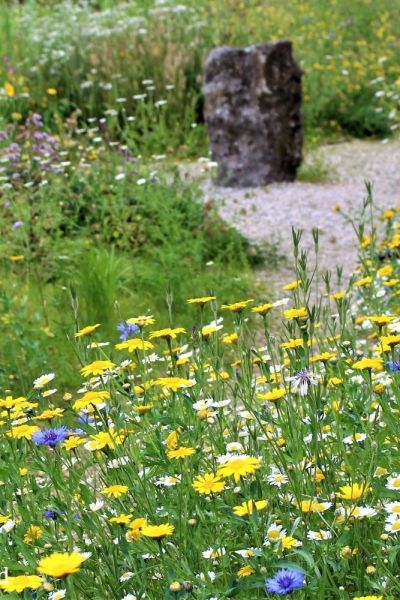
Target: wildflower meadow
[171, 425]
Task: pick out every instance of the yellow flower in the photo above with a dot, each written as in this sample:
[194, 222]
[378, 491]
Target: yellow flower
[288, 542]
[60, 564]
[52, 91]
[307, 506]
[273, 395]
[73, 442]
[291, 286]
[122, 519]
[106, 439]
[87, 330]
[296, 313]
[114, 491]
[134, 344]
[142, 408]
[97, 367]
[237, 306]
[135, 529]
[33, 533]
[9, 89]
[21, 583]
[385, 271]
[208, 484]
[368, 364]
[368, 598]
[337, 295]
[51, 413]
[352, 492]
[262, 309]
[173, 383]
[91, 398]
[323, 357]
[181, 452]
[247, 508]
[230, 338]
[22, 431]
[172, 440]
[245, 571]
[167, 333]
[239, 467]
[390, 340]
[363, 281]
[142, 321]
[202, 300]
[23, 471]
[158, 531]
[293, 343]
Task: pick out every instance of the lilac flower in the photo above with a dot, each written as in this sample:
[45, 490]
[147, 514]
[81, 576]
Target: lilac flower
[393, 365]
[17, 224]
[285, 581]
[302, 380]
[50, 437]
[127, 330]
[50, 514]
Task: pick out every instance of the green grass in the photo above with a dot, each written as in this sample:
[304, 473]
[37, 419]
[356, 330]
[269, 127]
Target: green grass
[97, 56]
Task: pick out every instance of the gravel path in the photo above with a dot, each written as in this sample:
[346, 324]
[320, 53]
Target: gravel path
[267, 214]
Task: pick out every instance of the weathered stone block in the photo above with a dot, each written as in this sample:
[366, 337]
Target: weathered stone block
[252, 111]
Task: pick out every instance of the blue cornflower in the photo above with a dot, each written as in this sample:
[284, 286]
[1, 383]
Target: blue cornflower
[393, 365]
[285, 581]
[50, 437]
[50, 514]
[127, 330]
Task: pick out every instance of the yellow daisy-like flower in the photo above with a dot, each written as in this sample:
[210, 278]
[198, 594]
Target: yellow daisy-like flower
[87, 330]
[158, 531]
[97, 367]
[363, 281]
[73, 442]
[247, 508]
[134, 344]
[202, 300]
[181, 452]
[173, 383]
[91, 398]
[245, 571]
[135, 529]
[142, 321]
[352, 492]
[313, 506]
[21, 583]
[114, 491]
[292, 343]
[34, 532]
[209, 483]
[291, 286]
[22, 431]
[239, 467]
[172, 440]
[237, 306]
[106, 439]
[61, 564]
[323, 357]
[296, 313]
[273, 395]
[368, 364]
[368, 598]
[230, 338]
[288, 542]
[122, 519]
[50, 413]
[390, 340]
[167, 333]
[337, 295]
[262, 309]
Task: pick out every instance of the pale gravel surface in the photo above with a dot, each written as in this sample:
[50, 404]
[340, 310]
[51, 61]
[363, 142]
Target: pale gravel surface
[266, 215]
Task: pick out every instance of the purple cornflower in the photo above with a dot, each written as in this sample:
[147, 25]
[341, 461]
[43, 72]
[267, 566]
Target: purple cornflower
[127, 330]
[302, 380]
[393, 365]
[50, 514]
[50, 437]
[17, 224]
[285, 581]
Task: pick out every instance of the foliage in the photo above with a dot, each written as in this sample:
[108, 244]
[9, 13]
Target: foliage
[136, 68]
[201, 463]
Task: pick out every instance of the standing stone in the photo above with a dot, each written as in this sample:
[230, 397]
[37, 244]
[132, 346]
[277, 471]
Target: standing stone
[252, 111]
